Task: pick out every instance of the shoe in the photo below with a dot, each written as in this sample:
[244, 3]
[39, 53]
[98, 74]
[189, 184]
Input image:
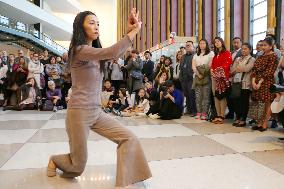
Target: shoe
[198, 115]
[241, 125]
[255, 127]
[261, 129]
[54, 108]
[235, 123]
[192, 115]
[251, 122]
[203, 116]
[154, 116]
[51, 169]
[274, 124]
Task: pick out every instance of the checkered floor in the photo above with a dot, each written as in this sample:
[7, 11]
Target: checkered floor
[183, 154]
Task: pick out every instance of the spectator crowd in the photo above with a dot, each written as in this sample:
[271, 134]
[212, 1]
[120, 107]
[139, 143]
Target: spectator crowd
[207, 82]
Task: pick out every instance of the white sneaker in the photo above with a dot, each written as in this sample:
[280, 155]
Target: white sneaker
[154, 116]
[55, 108]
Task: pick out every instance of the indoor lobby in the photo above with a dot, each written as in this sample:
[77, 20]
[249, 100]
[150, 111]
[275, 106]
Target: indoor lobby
[194, 150]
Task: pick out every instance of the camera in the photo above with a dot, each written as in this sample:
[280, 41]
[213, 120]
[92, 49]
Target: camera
[276, 88]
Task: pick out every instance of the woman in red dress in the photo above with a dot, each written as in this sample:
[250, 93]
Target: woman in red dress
[262, 78]
[220, 71]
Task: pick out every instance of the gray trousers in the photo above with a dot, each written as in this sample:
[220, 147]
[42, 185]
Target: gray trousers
[202, 94]
[132, 165]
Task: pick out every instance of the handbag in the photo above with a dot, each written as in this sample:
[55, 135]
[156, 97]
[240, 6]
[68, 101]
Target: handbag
[236, 88]
[223, 94]
[137, 74]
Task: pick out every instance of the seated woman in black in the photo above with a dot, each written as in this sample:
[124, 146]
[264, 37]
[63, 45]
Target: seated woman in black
[171, 106]
[153, 97]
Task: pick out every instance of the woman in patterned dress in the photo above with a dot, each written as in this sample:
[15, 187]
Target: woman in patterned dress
[262, 78]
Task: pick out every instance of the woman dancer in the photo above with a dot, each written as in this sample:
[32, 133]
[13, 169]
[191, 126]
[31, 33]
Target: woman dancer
[84, 113]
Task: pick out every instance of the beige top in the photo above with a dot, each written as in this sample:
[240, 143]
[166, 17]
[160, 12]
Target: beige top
[86, 75]
[246, 68]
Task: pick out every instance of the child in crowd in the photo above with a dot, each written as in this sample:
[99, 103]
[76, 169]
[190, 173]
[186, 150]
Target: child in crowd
[107, 96]
[141, 107]
[123, 103]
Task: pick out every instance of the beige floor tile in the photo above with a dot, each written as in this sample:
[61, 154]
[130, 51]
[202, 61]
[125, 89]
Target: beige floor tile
[7, 151]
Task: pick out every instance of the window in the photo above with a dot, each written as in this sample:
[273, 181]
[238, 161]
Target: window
[221, 19]
[258, 21]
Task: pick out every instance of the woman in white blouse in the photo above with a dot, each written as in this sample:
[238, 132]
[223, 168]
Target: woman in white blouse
[36, 68]
[201, 64]
[3, 76]
[116, 73]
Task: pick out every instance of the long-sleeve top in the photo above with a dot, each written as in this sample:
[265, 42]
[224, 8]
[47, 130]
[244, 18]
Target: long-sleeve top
[222, 60]
[186, 72]
[245, 65]
[25, 68]
[178, 96]
[116, 73]
[86, 74]
[50, 93]
[176, 70]
[148, 70]
[35, 67]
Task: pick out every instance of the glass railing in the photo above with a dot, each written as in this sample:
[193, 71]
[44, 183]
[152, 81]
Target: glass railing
[25, 28]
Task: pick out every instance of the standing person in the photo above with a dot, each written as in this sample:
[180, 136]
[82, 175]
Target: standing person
[66, 77]
[236, 53]
[36, 69]
[241, 73]
[220, 70]
[201, 64]
[177, 70]
[148, 67]
[186, 78]
[135, 76]
[258, 48]
[84, 111]
[116, 74]
[262, 78]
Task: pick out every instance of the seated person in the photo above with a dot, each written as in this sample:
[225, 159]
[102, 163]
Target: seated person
[28, 97]
[123, 103]
[141, 107]
[54, 95]
[171, 103]
[277, 106]
[153, 97]
[161, 78]
[67, 98]
[107, 92]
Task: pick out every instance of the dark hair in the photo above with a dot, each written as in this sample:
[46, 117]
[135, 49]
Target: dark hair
[164, 59]
[248, 46]
[182, 47]
[216, 50]
[237, 38]
[148, 53]
[139, 98]
[168, 83]
[207, 49]
[135, 51]
[269, 41]
[271, 35]
[35, 83]
[177, 55]
[168, 58]
[150, 82]
[190, 42]
[52, 58]
[107, 80]
[79, 38]
[123, 91]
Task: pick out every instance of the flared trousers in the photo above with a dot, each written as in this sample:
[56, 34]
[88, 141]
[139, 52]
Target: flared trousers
[132, 165]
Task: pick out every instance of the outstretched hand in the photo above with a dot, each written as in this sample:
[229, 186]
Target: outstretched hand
[133, 21]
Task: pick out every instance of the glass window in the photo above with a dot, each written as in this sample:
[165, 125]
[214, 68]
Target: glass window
[258, 21]
[221, 19]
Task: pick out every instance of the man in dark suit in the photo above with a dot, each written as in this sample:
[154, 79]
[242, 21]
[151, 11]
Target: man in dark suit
[148, 67]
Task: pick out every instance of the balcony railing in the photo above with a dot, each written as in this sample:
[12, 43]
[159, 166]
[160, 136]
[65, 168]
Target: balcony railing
[25, 28]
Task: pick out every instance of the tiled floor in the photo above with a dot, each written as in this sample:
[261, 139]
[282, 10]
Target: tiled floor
[183, 154]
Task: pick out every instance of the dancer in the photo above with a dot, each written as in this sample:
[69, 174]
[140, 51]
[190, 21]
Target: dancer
[84, 113]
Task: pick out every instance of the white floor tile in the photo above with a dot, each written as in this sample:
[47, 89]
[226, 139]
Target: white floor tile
[16, 136]
[55, 124]
[156, 131]
[214, 172]
[250, 141]
[8, 117]
[36, 155]
[187, 119]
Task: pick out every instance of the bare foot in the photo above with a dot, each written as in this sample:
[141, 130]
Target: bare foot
[51, 169]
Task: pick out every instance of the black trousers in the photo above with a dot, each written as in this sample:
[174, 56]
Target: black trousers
[116, 84]
[241, 105]
[169, 110]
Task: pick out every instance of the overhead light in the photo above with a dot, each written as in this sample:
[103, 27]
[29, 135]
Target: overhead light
[7, 37]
